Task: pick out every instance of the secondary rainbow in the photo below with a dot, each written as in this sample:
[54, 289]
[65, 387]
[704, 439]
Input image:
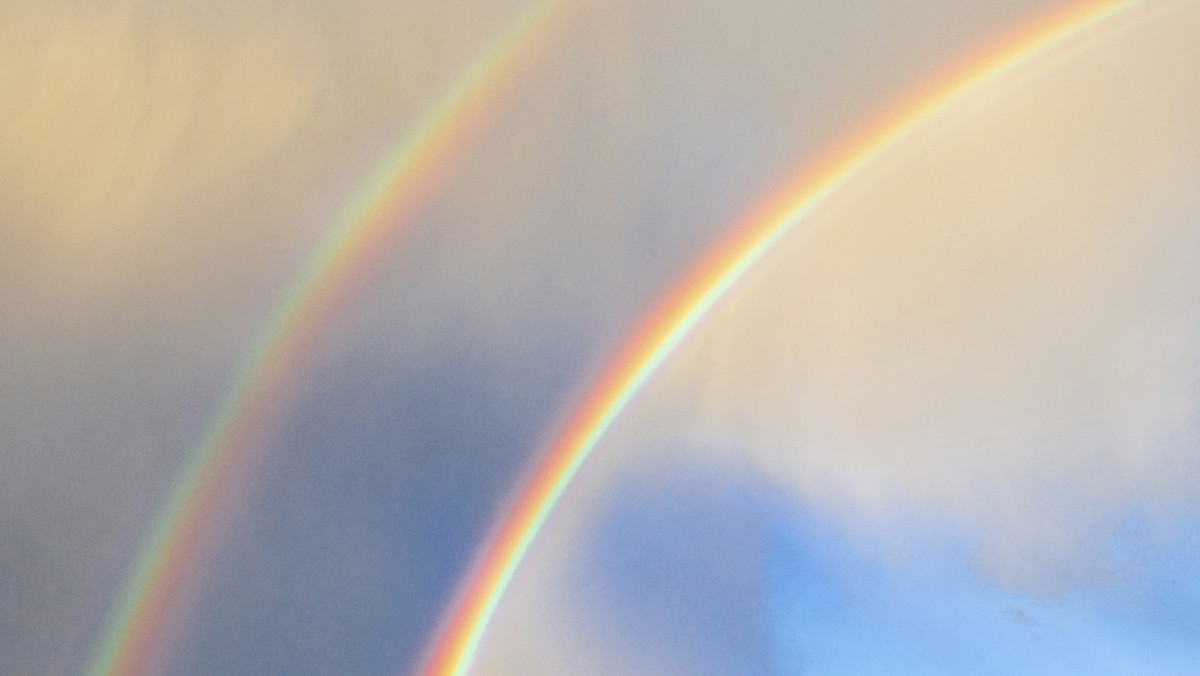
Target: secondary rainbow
[150, 603]
[663, 332]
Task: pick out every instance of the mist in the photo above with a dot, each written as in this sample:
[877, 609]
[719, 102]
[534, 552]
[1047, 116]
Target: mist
[989, 331]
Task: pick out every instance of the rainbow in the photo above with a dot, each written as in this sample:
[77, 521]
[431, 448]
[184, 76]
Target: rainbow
[711, 281]
[152, 599]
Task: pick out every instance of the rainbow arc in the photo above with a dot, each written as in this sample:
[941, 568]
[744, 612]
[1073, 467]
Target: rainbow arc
[678, 316]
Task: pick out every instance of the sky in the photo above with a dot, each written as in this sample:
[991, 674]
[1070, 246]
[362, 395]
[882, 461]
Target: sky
[947, 426]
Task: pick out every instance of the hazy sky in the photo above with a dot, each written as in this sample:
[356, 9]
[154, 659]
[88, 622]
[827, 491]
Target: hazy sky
[948, 427]
[167, 168]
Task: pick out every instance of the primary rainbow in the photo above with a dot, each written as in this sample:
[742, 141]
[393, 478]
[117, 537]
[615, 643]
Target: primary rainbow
[663, 332]
[152, 599]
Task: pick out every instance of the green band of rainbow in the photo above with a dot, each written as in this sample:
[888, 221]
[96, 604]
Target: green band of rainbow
[665, 330]
[164, 577]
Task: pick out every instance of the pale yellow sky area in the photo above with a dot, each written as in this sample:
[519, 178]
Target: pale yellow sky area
[111, 120]
[995, 320]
